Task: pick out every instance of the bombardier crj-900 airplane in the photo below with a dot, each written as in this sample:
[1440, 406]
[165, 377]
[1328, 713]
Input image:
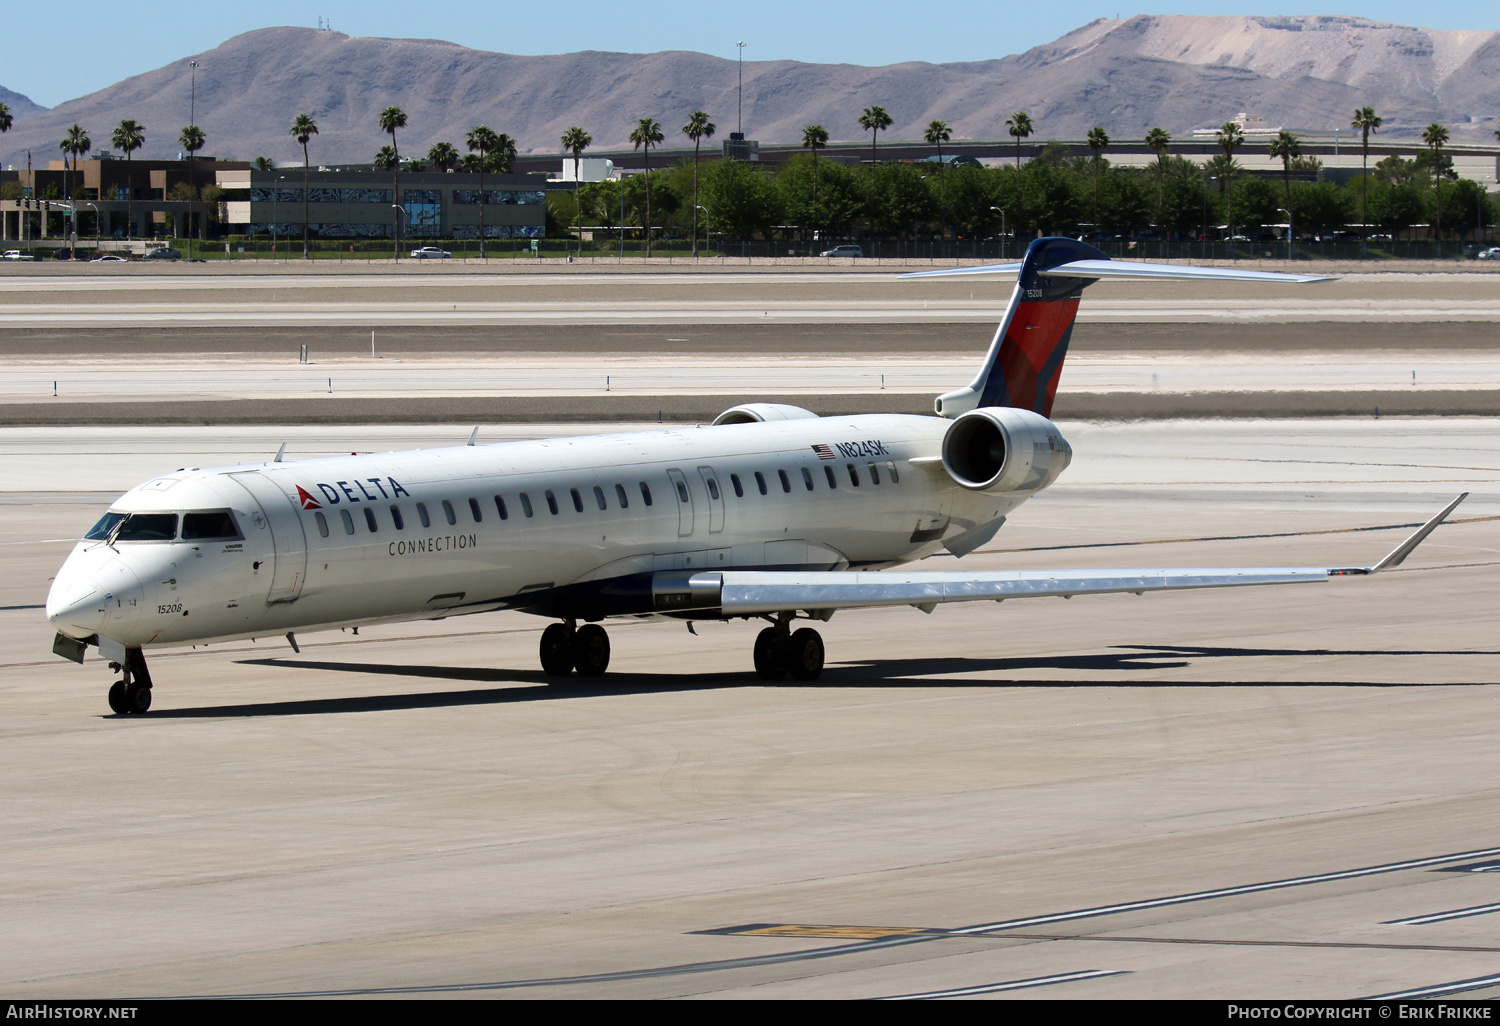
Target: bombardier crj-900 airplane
[771, 513]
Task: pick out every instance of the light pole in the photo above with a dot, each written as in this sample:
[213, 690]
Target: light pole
[193, 95]
[707, 230]
[739, 121]
[96, 226]
[1004, 242]
[1289, 230]
[396, 235]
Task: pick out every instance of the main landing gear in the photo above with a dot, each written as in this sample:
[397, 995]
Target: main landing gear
[131, 694]
[566, 648]
[780, 650]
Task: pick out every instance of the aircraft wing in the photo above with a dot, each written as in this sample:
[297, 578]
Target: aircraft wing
[1097, 269]
[757, 592]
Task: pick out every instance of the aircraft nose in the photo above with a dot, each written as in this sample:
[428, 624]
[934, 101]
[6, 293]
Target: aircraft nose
[87, 600]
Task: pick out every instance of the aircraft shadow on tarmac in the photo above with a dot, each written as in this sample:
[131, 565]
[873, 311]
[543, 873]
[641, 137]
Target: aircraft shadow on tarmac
[943, 671]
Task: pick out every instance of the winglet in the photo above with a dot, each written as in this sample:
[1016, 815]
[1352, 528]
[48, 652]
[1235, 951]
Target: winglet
[1398, 555]
[473, 436]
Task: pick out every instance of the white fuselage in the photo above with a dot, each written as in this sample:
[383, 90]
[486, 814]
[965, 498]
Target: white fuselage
[567, 527]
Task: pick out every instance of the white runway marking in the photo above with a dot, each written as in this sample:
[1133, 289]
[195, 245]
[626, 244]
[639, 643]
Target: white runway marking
[995, 988]
[1439, 989]
[1442, 917]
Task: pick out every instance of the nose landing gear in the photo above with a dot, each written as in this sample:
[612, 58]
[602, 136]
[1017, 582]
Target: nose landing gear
[131, 694]
[779, 651]
[564, 649]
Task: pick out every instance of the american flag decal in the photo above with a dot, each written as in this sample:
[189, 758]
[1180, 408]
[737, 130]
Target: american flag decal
[824, 452]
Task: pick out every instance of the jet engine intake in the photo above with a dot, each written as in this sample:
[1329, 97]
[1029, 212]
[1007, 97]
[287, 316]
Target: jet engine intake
[1004, 449]
[755, 413]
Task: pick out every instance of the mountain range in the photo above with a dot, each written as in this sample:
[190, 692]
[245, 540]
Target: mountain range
[1127, 75]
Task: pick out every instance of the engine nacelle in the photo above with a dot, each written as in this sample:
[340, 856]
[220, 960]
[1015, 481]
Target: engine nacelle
[755, 413]
[1002, 449]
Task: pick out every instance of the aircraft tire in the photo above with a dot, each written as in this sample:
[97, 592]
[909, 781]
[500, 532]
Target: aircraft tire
[557, 650]
[138, 700]
[805, 654]
[591, 650]
[117, 699]
[771, 654]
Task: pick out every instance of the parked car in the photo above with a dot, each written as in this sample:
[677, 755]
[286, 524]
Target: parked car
[16, 254]
[843, 251]
[108, 258]
[430, 253]
[1488, 254]
[164, 253]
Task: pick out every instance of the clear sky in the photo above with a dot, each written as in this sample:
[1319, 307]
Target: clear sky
[98, 43]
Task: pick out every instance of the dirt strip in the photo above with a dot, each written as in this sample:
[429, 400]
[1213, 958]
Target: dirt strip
[699, 409]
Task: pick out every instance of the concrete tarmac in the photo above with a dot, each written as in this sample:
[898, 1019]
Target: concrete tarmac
[1284, 792]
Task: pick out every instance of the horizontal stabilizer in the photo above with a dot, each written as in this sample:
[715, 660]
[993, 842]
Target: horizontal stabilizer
[1096, 269]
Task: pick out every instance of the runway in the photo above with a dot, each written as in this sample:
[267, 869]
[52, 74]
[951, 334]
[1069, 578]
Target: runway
[1284, 793]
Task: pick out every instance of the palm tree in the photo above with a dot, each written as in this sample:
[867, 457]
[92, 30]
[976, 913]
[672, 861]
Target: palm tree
[874, 120]
[391, 119]
[1367, 121]
[76, 142]
[385, 159]
[698, 128]
[503, 157]
[1286, 146]
[815, 137]
[1098, 139]
[938, 133]
[1435, 136]
[128, 137]
[481, 139]
[6, 119]
[1019, 126]
[1230, 137]
[442, 156]
[264, 164]
[647, 133]
[303, 129]
[192, 139]
[576, 140]
[1159, 140]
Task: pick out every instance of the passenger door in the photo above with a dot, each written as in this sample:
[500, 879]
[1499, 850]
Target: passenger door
[289, 564]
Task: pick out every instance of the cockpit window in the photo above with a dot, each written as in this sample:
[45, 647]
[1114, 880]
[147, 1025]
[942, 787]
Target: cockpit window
[215, 526]
[148, 527]
[106, 524]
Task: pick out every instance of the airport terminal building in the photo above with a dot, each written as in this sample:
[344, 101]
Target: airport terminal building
[119, 199]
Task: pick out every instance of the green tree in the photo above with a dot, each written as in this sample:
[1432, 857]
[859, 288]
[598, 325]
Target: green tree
[77, 143]
[903, 200]
[391, 119]
[742, 198]
[128, 137]
[1321, 207]
[575, 140]
[874, 120]
[1159, 140]
[1019, 126]
[1229, 138]
[1287, 147]
[1367, 121]
[303, 129]
[647, 133]
[192, 139]
[698, 128]
[1436, 136]
[385, 159]
[483, 141]
[442, 156]
[264, 164]
[938, 132]
[814, 138]
[1098, 139]
[6, 118]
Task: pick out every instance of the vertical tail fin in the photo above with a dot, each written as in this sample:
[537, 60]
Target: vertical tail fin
[1026, 355]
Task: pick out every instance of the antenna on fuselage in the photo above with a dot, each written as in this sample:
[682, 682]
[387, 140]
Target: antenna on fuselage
[473, 435]
[280, 453]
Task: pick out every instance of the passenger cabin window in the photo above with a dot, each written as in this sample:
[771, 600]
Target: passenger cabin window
[833, 481]
[552, 502]
[599, 497]
[216, 526]
[853, 476]
[895, 474]
[713, 489]
[396, 518]
[739, 489]
[874, 473]
[148, 527]
[370, 519]
[760, 482]
[448, 512]
[682, 492]
[500, 508]
[322, 524]
[348, 521]
[526, 504]
[422, 514]
[620, 494]
[474, 511]
[645, 493]
[577, 500]
[786, 484]
[807, 478]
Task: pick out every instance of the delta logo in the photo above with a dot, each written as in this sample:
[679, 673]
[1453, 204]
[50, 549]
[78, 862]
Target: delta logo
[345, 491]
